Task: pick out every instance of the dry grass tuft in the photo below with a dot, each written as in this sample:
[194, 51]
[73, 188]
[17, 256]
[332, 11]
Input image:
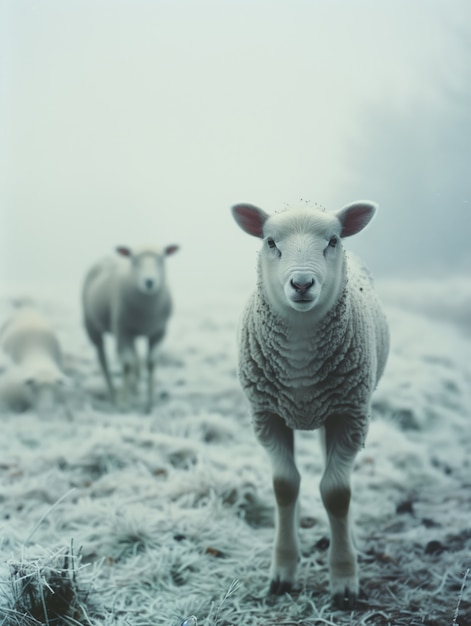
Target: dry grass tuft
[46, 591]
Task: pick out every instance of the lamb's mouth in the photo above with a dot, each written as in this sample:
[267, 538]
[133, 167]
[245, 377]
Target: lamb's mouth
[302, 304]
[302, 299]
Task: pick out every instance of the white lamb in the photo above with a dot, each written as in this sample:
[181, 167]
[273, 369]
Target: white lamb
[313, 345]
[128, 297]
[33, 348]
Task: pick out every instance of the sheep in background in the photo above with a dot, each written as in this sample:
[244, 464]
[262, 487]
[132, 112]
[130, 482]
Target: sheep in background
[37, 380]
[313, 345]
[128, 297]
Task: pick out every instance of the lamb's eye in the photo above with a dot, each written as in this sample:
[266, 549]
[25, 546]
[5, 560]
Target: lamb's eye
[271, 244]
[333, 241]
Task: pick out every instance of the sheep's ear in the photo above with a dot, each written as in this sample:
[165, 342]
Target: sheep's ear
[123, 251]
[171, 249]
[250, 218]
[354, 217]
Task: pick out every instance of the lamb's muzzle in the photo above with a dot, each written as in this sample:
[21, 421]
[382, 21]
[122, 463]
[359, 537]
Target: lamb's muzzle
[301, 291]
[301, 284]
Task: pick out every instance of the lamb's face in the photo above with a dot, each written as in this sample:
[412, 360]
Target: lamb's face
[148, 267]
[302, 260]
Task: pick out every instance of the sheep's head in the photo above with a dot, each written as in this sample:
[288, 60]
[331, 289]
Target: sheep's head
[44, 388]
[147, 266]
[302, 259]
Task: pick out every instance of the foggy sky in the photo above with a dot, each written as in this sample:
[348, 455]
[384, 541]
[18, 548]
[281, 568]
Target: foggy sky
[133, 121]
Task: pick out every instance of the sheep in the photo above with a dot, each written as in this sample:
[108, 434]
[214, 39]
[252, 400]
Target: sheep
[313, 343]
[31, 345]
[128, 297]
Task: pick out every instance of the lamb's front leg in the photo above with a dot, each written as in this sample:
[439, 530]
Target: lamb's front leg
[341, 444]
[278, 441]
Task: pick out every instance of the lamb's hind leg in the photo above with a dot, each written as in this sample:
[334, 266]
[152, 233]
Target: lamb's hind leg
[341, 445]
[277, 439]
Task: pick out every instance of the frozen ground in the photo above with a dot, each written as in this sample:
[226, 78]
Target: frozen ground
[169, 516]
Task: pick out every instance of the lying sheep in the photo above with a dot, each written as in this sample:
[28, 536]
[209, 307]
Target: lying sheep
[128, 296]
[34, 350]
[313, 345]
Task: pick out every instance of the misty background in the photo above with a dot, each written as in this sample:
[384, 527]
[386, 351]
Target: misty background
[139, 121]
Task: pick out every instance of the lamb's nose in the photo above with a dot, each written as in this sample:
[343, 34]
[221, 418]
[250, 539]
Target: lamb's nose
[302, 287]
[149, 283]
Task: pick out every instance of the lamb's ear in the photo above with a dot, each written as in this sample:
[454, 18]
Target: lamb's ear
[354, 217]
[250, 218]
[123, 251]
[171, 249]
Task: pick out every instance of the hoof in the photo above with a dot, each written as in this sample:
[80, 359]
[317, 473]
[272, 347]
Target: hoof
[345, 601]
[279, 587]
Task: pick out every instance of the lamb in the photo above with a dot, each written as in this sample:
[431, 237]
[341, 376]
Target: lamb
[31, 345]
[313, 343]
[128, 297]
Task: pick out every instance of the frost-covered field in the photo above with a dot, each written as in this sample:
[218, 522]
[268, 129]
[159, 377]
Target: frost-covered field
[168, 518]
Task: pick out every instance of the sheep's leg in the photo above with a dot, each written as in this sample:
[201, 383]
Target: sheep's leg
[151, 360]
[129, 361]
[97, 339]
[278, 441]
[340, 444]
[100, 348]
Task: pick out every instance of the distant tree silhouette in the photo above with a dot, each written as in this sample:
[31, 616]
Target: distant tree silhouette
[416, 162]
